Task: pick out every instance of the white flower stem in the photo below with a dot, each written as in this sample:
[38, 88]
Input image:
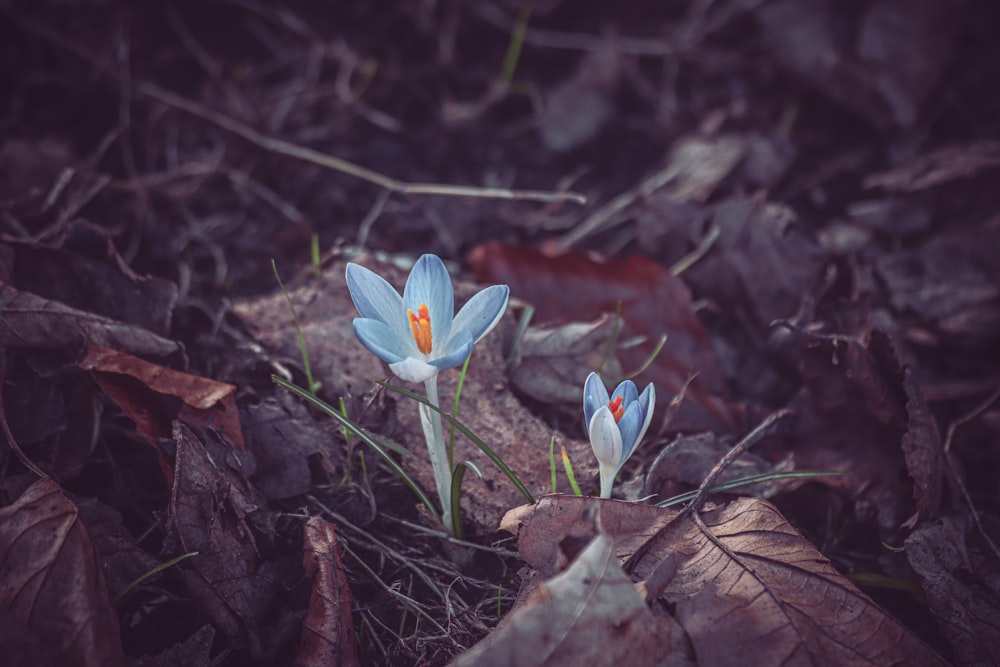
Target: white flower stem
[434, 434]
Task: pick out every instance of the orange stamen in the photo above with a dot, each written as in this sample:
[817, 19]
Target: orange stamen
[617, 409]
[420, 325]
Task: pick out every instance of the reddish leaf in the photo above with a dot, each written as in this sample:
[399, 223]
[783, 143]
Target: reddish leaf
[572, 286]
[328, 636]
[54, 603]
[139, 388]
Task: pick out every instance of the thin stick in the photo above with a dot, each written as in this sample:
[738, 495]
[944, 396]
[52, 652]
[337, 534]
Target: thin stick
[288, 149]
[748, 441]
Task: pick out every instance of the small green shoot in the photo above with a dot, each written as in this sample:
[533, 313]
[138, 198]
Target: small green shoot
[754, 479]
[314, 255]
[648, 362]
[499, 598]
[616, 327]
[458, 474]
[156, 570]
[514, 47]
[314, 386]
[364, 436]
[568, 467]
[504, 468]
[348, 444]
[552, 461]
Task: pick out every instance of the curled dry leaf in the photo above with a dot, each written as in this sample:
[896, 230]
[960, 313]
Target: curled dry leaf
[962, 587]
[54, 603]
[590, 614]
[328, 636]
[947, 289]
[106, 286]
[880, 58]
[555, 361]
[745, 586]
[30, 321]
[227, 580]
[139, 386]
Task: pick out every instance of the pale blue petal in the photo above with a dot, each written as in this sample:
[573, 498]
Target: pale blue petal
[605, 438]
[629, 425]
[647, 401]
[375, 298]
[483, 311]
[595, 395]
[628, 391]
[429, 283]
[380, 340]
[636, 421]
[457, 351]
[412, 369]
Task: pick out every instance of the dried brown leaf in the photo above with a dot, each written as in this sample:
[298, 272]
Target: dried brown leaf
[962, 587]
[744, 585]
[210, 512]
[54, 603]
[590, 614]
[556, 360]
[105, 286]
[30, 321]
[328, 637]
[880, 59]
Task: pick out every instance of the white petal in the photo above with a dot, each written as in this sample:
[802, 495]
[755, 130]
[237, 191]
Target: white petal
[412, 369]
[605, 438]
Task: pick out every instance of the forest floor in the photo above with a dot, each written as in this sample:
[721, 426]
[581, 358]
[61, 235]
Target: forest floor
[783, 215]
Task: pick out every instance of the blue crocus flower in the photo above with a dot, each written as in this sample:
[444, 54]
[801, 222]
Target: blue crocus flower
[615, 424]
[419, 334]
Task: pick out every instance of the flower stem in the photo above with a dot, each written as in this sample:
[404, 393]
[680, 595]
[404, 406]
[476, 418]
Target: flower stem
[430, 420]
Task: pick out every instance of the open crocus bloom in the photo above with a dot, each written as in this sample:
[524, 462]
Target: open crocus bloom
[419, 334]
[615, 424]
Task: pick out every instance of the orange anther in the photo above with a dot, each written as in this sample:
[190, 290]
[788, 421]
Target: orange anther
[617, 409]
[420, 325]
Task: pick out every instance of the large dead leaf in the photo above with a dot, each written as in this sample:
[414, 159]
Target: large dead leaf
[590, 614]
[745, 586]
[54, 603]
